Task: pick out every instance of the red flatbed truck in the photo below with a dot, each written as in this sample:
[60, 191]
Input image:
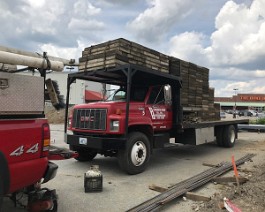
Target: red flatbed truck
[144, 114]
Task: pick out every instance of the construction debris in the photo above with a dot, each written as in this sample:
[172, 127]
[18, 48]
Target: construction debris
[230, 206]
[187, 185]
[230, 180]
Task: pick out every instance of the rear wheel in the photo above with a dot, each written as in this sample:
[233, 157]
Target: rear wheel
[229, 136]
[219, 136]
[86, 154]
[135, 157]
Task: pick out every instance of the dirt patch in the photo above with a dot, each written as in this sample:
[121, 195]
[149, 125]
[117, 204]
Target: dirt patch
[55, 116]
[248, 197]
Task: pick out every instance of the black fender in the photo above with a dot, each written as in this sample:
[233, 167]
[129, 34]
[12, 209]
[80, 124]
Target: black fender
[4, 172]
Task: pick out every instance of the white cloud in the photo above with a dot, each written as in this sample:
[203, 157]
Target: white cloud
[239, 37]
[236, 51]
[35, 4]
[60, 22]
[240, 34]
[85, 8]
[67, 53]
[246, 81]
[159, 17]
[225, 88]
[189, 45]
[82, 24]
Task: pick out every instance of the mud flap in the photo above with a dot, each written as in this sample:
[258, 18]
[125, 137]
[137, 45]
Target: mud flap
[56, 153]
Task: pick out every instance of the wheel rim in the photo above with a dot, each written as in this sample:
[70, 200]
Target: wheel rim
[138, 153]
[232, 136]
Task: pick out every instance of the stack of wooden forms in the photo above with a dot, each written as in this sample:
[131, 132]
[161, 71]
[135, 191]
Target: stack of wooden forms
[197, 98]
[120, 52]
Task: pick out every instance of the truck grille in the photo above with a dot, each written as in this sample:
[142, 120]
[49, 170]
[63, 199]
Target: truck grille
[90, 119]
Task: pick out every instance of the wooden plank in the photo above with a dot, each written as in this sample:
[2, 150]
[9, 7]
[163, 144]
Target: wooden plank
[157, 188]
[230, 180]
[196, 197]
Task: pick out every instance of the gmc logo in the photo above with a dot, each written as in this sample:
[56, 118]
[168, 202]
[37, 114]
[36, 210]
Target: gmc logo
[87, 118]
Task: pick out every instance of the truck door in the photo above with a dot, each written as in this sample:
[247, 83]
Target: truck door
[159, 111]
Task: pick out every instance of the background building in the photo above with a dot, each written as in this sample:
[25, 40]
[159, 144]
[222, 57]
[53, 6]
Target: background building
[242, 102]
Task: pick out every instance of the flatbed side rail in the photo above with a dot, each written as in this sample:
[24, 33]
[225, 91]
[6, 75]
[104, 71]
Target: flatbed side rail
[214, 123]
[255, 127]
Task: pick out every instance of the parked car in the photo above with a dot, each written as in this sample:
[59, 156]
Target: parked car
[247, 113]
[222, 115]
[241, 113]
[261, 115]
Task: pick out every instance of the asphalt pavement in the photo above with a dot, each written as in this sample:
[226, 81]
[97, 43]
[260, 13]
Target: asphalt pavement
[122, 192]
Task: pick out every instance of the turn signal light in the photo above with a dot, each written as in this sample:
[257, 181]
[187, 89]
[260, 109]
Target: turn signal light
[45, 140]
[118, 111]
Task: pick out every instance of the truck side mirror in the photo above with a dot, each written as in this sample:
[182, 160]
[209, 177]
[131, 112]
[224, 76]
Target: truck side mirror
[167, 95]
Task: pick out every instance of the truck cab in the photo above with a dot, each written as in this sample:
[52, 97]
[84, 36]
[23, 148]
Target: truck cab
[147, 107]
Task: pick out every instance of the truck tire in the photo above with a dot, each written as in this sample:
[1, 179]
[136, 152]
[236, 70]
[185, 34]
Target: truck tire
[55, 207]
[1, 192]
[135, 157]
[219, 136]
[229, 136]
[86, 155]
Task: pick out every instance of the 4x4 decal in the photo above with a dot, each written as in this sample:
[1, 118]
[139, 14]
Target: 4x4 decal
[20, 150]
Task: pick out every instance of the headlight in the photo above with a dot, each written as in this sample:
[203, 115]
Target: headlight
[114, 125]
[69, 122]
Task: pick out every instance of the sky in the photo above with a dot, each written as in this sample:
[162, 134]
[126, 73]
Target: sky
[228, 37]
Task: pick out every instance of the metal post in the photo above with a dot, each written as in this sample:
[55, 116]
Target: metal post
[234, 114]
[128, 100]
[67, 105]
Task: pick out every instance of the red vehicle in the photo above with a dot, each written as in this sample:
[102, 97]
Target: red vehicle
[25, 143]
[25, 162]
[142, 115]
[25, 139]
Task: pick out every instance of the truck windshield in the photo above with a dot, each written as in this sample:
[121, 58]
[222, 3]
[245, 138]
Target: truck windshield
[137, 94]
[116, 95]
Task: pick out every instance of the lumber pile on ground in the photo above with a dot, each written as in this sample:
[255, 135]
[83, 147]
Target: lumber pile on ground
[197, 98]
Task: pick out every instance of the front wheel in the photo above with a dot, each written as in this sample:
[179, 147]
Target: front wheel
[135, 157]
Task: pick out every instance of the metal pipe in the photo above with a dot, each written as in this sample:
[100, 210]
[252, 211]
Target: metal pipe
[66, 62]
[33, 62]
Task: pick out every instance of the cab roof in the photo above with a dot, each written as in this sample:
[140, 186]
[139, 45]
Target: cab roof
[122, 75]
